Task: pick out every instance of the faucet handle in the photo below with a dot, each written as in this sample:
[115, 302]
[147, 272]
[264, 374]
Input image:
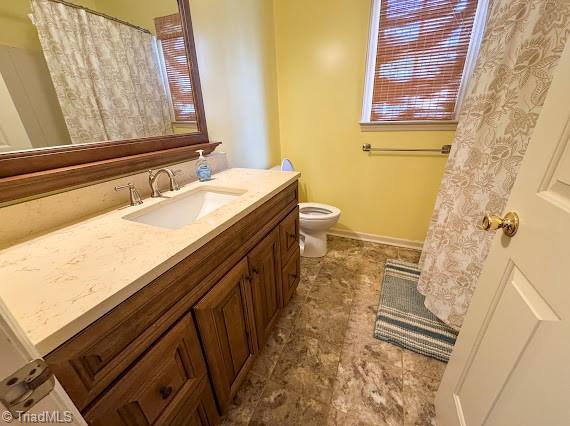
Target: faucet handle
[135, 198]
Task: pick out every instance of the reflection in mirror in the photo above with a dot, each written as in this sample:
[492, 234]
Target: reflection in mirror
[91, 71]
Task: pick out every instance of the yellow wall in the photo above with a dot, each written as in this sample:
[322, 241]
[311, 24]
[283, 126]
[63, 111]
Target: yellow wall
[137, 12]
[236, 57]
[16, 29]
[321, 56]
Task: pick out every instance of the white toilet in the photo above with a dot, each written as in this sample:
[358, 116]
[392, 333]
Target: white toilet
[315, 219]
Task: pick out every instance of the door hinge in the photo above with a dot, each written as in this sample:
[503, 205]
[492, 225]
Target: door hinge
[22, 389]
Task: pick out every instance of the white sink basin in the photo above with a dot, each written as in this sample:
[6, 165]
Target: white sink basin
[184, 209]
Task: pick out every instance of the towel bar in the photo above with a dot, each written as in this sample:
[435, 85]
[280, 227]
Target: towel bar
[445, 149]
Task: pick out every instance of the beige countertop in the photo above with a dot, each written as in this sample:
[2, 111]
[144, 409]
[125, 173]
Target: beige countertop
[57, 284]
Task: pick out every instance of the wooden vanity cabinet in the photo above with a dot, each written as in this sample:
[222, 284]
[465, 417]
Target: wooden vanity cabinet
[176, 351]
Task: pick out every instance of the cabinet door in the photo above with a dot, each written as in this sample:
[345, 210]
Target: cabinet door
[170, 378]
[200, 410]
[264, 270]
[289, 234]
[226, 325]
[291, 275]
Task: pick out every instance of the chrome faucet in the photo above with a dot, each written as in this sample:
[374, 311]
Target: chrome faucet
[153, 178]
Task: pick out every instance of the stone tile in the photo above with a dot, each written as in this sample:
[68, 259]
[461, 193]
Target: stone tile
[337, 269]
[310, 268]
[343, 247]
[360, 331]
[289, 313]
[338, 418]
[423, 365]
[419, 397]
[266, 360]
[355, 274]
[323, 319]
[243, 406]
[379, 252]
[279, 406]
[371, 348]
[370, 389]
[308, 366]
[409, 255]
[304, 286]
[332, 287]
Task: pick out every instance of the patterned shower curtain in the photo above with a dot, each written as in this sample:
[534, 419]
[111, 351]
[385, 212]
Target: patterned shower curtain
[106, 74]
[522, 44]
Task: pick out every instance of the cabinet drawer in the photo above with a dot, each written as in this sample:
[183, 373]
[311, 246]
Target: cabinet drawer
[166, 380]
[289, 234]
[291, 276]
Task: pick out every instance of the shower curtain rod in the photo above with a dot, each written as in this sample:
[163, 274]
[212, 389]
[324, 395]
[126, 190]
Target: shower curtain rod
[94, 12]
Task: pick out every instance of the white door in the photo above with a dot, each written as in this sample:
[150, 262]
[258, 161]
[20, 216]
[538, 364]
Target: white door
[16, 351]
[511, 362]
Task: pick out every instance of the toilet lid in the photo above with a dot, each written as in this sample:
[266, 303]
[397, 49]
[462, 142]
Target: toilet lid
[317, 211]
[287, 165]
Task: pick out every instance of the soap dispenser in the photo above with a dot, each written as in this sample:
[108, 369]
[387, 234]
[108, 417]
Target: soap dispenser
[203, 170]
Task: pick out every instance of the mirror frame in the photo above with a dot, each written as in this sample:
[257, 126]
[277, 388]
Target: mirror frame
[25, 174]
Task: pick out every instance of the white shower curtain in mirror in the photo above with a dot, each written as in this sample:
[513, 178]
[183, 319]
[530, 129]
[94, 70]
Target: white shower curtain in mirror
[520, 49]
[106, 74]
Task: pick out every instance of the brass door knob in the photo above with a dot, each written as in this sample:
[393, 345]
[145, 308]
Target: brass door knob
[509, 224]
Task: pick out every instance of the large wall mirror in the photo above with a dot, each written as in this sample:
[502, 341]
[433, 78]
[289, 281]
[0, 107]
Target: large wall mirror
[94, 81]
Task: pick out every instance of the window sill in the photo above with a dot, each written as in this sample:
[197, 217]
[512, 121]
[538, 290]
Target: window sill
[401, 126]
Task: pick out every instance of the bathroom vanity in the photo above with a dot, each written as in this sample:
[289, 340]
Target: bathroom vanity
[169, 343]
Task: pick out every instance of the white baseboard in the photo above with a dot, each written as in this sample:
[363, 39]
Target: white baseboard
[382, 239]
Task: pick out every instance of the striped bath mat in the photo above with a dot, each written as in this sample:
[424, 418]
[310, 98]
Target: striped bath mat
[403, 319]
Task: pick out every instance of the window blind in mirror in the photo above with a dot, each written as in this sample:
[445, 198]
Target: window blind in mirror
[169, 33]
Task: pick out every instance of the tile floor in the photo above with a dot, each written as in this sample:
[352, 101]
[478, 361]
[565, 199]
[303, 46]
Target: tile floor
[321, 366]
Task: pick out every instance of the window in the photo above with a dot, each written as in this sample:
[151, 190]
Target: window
[171, 41]
[420, 52]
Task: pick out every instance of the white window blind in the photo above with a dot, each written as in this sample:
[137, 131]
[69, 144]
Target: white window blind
[418, 63]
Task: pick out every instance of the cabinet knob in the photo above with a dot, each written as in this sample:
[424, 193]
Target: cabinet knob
[165, 391]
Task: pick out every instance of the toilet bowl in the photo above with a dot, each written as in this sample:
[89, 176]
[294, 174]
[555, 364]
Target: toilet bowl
[315, 219]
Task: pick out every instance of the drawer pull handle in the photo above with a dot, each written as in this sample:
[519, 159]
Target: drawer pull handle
[165, 391]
